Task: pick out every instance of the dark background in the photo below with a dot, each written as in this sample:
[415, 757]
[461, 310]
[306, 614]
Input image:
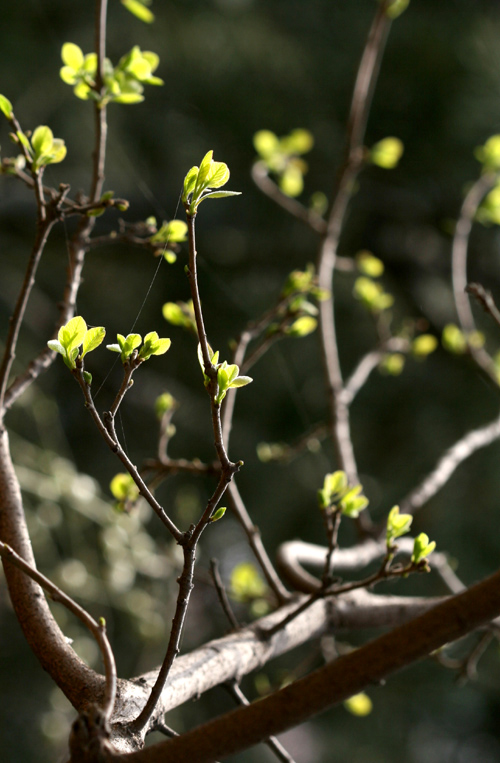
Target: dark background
[232, 67]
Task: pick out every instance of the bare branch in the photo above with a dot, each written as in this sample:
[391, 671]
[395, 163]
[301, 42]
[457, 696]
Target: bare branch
[98, 630]
[222, 594]
[459, 270]
[294, 207]
[112, 441]
[79, 683]
[42, 234]
[369, 363]
[454, 456]
[334, 682]
[255, 542]
[485, 299]
[361, 102]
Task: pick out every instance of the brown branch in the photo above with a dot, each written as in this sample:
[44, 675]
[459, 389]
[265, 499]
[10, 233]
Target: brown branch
[485, 299]
[276, 747]
[80, 684]
[309, 217]
[43, 229]
[113, 443]
[78, 244]
[255, 541]
[98, 630]
[333, 683]
[222, 594]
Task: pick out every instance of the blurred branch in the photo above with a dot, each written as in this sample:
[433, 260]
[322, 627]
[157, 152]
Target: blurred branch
[368, 364]
[459, 270]
[352, 164]
[309, 217]
[222, 594]
[255, 541]
[454, 456]
[485, 299]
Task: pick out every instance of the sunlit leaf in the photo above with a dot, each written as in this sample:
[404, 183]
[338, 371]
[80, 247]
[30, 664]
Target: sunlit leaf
[72, 55]
[6, 107]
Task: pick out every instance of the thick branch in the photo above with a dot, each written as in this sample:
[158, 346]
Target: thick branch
[79, 683]
[333, 683]
[98, 630]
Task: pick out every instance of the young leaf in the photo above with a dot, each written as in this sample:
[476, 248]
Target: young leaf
[369, 265]
[218, 514]
[203, 172]
[153, 345]
[360, 704]
[302, 326]
[53, 344]
[218, 175]
[123, 487]
[6, 107]
[71, 335]
[219, 195]
[387, 153]
[423, 345]
[422, 548]
[92, 339]
[241, 381]
[72, 56]
[397, 524]
[189, 183]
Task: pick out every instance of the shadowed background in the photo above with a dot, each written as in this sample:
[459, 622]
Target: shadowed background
[232, 67]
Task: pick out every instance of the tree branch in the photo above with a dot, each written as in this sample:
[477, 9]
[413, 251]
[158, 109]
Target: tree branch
[459, 270]
[360, 106]
[333, 683]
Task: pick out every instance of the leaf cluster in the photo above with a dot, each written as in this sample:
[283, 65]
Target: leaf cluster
[227, 375]
[75, 340]
[200, 181]
[282, 157]
[337, 493]
[127, 346]
[123, 83]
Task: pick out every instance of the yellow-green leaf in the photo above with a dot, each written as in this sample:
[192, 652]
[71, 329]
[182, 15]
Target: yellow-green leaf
[72, 55]
[139, 10]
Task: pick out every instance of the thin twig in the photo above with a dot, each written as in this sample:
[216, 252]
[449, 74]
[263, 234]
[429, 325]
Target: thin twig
[485, 299]
[309, 217]
[276, 747]
[459, 269]
[189, 540]
[43, 230]
[385, 572]
[113, 443]
[255, 542]
[98, 630]
[368, 364]
[454, 456]
[222, 594]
